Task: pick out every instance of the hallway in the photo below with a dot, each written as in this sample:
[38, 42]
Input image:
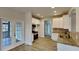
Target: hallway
[41, 44]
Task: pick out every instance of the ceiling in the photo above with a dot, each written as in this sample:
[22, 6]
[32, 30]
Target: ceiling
[43, 11]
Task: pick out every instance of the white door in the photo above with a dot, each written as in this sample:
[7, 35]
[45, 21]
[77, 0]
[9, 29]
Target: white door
[12, 33]
[6, 34]
[19, 32]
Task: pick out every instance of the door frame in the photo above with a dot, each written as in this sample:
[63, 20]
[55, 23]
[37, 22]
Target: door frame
[48, 20]
[20, 42]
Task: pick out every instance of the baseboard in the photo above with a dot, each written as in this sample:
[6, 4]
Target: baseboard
[12, 46]
[28, 43]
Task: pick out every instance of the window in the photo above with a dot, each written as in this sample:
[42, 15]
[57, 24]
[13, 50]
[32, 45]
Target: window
[6, 33]
[18, 32]
[5, 27]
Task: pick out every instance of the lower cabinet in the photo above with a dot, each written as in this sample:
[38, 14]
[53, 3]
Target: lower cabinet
[54, 36]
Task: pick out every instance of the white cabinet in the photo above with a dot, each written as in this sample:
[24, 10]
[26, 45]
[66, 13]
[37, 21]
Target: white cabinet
[55, 36]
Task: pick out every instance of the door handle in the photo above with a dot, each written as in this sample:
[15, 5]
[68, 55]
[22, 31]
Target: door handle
[14, 34]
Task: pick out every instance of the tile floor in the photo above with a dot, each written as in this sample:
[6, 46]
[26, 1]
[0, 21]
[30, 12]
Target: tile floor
[41, 44]
[45, 44]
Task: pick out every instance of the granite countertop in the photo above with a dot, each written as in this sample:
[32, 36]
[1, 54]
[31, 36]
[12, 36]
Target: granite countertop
[73, 41]
[68, 42]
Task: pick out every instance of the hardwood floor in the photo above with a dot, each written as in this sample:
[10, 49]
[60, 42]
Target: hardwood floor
[41, 44]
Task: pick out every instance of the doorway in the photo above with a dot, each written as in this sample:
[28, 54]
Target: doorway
[12, 33]
[47, 28]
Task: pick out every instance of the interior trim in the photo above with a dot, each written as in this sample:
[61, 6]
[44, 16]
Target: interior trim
[64, 13]
[36, 17]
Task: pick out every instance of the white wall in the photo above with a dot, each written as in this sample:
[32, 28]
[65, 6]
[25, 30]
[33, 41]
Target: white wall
[0, 34]
[41, 28]
[77, 19]
[73, 22]
[66, 22]
[36, 22]
[28, 28]
[77, 24]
